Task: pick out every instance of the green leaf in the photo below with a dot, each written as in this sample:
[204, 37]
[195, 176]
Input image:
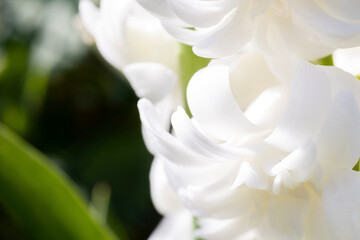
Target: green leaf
[40, 197]
[189, 64]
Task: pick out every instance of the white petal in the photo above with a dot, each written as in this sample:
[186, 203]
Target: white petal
[213, 105]
[157, 7]
[342, 81]
[109, 32]
[112, 49]
[183, 34]
[315, 224]
[163, 196]
[213, 229]
[286, 214]
[238, 228]
[300, 163]
[194, 139]
[207, 178]
[269, 157]
[147, 41]
[90, 15]
[348, 59]
[289, 37]
[322, 23]
[168, 105]
[266, 110]
[282, 179]
[276, 63]
[177, 226]
[225, 40]
[222, 204]
[341, 204]
[201, 13]
[162, 142]
[344, 9]
[249, 76]
[308, 102]
[184, 168]
[339, 139]
[150, 80]
[253, 178]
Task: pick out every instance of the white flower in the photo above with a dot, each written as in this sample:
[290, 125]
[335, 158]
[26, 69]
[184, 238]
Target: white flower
[134, 42]
[348, 60]
[125, 33]
[176, 226]
[309, 28]
[265, 157]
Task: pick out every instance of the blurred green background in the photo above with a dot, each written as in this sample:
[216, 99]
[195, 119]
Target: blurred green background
[60, 96]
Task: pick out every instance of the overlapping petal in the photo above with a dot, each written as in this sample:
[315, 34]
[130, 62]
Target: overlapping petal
[310, 29]
[231, 123]
[177, 226]
[125, 33]
[341, 207]
[234, 161]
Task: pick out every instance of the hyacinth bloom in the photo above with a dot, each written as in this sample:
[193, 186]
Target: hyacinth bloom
[311, 29]
[134, 42]
[177, 223]
[125, 33]
[269, 150]
[268, 154]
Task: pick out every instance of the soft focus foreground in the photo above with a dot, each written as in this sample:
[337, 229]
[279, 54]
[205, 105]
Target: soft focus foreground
[65, 101]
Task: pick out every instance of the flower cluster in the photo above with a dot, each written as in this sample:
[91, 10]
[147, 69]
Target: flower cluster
[309, 28]
[268, 154]
[269, 149]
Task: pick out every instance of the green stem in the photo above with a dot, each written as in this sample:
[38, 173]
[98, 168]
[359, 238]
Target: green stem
[357, 166]
[325, 61]
[189, 64]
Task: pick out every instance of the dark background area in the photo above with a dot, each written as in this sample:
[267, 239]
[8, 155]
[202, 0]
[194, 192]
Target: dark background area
[62, 97]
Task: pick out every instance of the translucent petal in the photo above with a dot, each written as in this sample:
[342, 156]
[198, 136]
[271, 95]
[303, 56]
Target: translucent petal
[194, 139]
[176, 226]
[90, 15]
[162, 195]
[339, 139]
[266, 110]
[213, 105]
[344, 9]
[201, 13]
[341, 205]
[286, 213]
[308, 102]
[150, 80]
[162, 142]
[158, 7]
[222, 204]
[321, 22]
[224, 40]
[252, 177]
